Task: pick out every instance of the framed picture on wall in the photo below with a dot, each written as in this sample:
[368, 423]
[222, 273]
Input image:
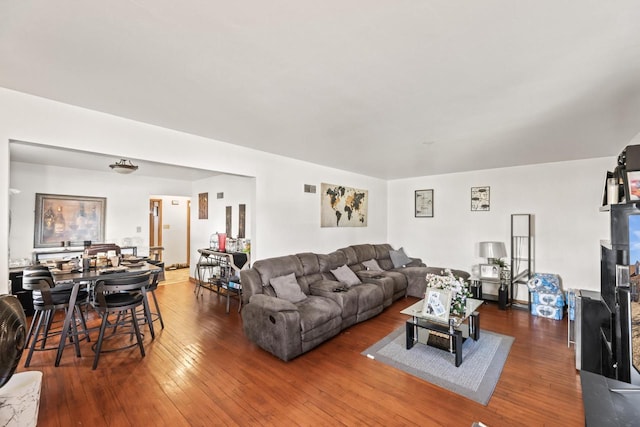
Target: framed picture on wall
[424, 203]
[203, 206]
[480, 198]
[68, 220]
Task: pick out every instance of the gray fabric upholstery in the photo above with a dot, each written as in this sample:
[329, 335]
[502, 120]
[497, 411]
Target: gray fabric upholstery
[287, 288]
[399, 258]
[345, 275]
[372, 265]
[287, 329]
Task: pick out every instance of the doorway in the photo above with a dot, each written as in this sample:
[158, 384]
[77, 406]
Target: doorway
[155, 229]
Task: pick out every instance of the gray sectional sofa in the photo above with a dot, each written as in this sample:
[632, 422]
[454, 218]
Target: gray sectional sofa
[293, 303]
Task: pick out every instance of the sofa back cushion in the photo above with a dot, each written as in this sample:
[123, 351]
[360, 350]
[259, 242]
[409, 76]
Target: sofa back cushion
[276, 267]
[382, 256]
[331, 262]
[310, 269]
[364, 252]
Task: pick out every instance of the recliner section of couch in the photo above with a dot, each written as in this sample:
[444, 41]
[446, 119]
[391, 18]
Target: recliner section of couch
[287, 329]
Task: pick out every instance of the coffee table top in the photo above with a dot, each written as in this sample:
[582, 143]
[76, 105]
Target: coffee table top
[415, 310]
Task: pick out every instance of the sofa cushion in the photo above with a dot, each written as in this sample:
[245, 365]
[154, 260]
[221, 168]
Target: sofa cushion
[287, 288]
[399, 258]
[372, 265]
[345, 275]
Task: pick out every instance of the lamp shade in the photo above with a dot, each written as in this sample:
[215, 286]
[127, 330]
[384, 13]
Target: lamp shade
[492, 250]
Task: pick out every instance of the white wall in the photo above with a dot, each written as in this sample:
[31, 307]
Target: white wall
[127, 207]
[564, 197]
[174, 228]
[284, 220]
[237, 190]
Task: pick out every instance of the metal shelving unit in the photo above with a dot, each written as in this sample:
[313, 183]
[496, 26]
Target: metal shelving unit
[522, 254]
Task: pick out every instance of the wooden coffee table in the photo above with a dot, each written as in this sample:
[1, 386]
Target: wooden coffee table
[455, 329]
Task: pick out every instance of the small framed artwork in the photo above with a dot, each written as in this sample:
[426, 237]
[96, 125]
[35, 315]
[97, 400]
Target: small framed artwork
[203, 206]
[437, 303]
[479, 198]
[633, 185]
[489, 271]
[424, 204]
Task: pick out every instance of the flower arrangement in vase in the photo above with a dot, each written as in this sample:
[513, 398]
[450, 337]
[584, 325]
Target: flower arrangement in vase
[459, 289]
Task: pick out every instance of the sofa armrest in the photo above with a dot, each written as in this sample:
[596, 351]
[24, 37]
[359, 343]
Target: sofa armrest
[272, 303]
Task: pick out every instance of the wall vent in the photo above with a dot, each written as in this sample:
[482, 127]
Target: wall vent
[219, 195]
[308, 188]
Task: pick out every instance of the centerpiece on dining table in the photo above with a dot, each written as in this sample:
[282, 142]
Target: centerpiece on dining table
[458, 287]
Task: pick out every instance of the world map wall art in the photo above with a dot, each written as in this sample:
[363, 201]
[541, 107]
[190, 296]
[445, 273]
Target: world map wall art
[342, 206]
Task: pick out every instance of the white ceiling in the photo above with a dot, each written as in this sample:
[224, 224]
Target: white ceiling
[392, 89]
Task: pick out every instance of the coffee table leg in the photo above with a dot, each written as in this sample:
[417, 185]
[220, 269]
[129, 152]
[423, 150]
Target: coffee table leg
[474, 325]
[457, 336]
[409, 334]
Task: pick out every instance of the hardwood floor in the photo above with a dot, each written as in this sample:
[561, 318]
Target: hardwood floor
[201, 371]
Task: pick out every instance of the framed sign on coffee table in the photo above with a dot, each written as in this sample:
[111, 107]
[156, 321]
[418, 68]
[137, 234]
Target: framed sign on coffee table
[62, 220]
[437, 304]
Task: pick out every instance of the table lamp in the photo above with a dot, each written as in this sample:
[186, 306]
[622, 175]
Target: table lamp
[492, 251]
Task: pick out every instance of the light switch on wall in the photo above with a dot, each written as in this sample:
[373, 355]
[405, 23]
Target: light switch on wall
[165, 226]
[138, 229]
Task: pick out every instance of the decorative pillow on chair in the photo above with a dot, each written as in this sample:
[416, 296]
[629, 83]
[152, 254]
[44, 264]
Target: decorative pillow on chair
[345, 275]
[372, 265]
[399, 258]
[287, 288]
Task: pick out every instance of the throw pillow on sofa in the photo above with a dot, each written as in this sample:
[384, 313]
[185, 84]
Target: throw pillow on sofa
[372, 265]
[287, 288]
[399, 258]
[345, 275]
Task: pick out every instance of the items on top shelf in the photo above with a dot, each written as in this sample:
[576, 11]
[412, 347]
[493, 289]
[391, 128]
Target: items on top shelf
[622, 185]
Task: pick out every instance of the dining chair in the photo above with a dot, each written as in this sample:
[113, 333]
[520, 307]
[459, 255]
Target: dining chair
[48, 299]
[151, 290]
[120, 297]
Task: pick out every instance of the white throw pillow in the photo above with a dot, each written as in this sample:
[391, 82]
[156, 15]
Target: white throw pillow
[345, 275]
[287, 288]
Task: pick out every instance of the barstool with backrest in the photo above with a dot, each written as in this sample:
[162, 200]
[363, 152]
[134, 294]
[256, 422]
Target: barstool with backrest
[152, 316]
[120, 296]
[47, 300]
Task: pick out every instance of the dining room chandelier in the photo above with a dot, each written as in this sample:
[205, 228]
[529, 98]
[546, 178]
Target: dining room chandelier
[124, 166]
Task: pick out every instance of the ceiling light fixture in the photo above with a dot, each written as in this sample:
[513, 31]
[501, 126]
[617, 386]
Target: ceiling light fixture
[124, 166]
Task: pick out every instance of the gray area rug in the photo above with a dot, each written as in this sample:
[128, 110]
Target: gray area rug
[475, 379]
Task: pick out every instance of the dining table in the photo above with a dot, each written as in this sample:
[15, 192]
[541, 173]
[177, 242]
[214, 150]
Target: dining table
[87, 278]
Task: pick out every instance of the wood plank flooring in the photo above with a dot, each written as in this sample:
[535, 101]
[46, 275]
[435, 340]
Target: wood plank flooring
[201, 371]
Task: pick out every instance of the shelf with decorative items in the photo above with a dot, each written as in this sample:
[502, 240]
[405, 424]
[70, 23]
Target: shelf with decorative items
[522, 257]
